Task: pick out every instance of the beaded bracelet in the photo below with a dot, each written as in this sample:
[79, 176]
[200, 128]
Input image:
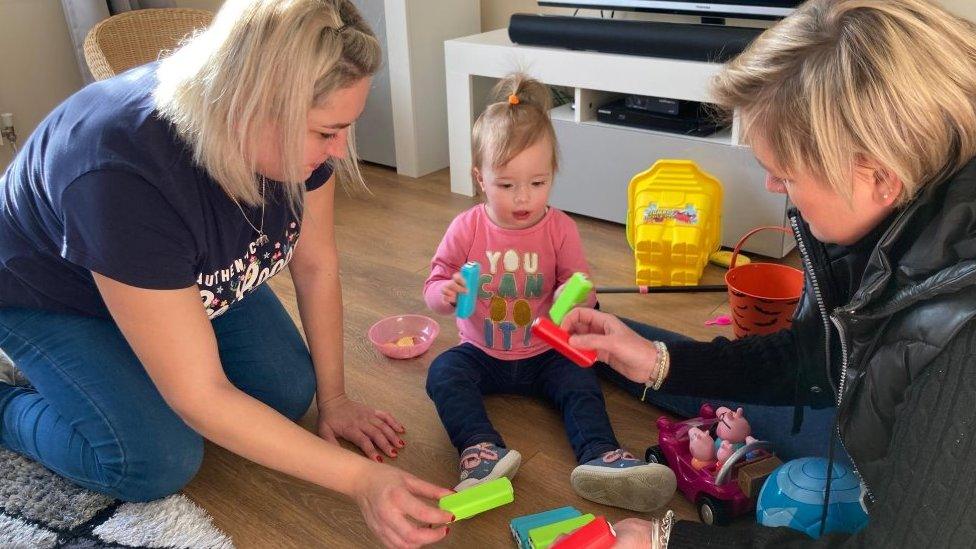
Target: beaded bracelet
[662, 373]
[667, 523]
[663, 365]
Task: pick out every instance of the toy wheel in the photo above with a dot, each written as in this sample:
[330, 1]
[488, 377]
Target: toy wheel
[653, 454]
[712, 512]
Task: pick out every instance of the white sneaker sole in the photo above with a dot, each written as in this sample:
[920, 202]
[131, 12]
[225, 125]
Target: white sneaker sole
[506, 467]
[643, 488]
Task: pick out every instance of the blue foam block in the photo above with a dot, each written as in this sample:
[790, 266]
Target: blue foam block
[521, 525]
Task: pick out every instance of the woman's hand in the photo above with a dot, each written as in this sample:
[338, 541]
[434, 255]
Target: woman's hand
[616, 344]
[451, 290]
[635, 533]
[363, 426]
[397, 509]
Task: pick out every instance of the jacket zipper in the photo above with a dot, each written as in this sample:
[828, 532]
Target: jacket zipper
[838, 386]
[808, 267]
[840, 394]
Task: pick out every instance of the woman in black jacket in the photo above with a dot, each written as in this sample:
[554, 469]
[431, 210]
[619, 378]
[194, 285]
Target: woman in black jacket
[864, 113]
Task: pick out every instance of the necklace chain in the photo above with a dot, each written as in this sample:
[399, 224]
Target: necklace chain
[262, 238]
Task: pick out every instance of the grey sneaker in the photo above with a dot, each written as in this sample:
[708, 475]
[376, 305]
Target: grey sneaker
[619, 479]
[9, 373]
[486, 461]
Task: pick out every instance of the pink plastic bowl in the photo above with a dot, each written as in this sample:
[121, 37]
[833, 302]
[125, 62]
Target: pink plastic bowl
[385, 333]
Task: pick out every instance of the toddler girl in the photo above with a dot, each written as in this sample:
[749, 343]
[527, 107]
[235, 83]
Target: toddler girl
[526, 250]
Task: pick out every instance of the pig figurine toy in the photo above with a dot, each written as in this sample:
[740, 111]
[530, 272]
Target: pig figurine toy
[702, 448]
[733, 432]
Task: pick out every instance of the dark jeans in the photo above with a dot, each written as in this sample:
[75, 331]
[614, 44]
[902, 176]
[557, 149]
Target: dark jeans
[93, 415]
[772, 423]
[459, 377]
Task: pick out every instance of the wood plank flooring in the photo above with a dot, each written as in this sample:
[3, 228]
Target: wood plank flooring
[386, 241]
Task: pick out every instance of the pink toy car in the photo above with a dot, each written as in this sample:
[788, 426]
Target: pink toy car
[712, 486]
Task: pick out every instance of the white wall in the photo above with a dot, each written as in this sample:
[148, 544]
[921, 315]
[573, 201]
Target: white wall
[37, 63]
[38, 68]
[212, 5]
[965, 8]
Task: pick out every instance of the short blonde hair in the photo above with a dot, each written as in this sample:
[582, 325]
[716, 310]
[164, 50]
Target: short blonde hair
[508, 126]
[261, 66]
[893, 81]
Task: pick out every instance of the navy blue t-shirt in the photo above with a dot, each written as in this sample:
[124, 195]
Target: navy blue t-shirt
[106, 185]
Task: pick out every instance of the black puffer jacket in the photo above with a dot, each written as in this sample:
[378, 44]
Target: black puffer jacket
[899, 357]
[918, 290]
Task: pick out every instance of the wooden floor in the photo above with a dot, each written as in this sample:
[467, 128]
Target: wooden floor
[386, 242]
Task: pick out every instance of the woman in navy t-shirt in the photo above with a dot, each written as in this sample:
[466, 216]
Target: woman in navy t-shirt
[183, 183]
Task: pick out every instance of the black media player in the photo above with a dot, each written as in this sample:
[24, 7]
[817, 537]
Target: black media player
[691, 118]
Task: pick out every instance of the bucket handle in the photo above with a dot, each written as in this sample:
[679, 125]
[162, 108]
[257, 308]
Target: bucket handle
[738, 246]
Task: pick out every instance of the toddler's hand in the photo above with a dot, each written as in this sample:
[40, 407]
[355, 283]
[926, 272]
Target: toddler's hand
[559, 290]
[449, 292]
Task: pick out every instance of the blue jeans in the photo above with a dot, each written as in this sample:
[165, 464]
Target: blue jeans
[459, 377]
[93, 415]
[772, 423]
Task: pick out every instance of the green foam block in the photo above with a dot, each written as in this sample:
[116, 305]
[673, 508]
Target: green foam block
[478, 499]
[574, 293]
[544, 536]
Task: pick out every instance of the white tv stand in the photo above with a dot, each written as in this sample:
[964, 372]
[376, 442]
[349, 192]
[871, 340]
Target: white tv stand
[598, 160]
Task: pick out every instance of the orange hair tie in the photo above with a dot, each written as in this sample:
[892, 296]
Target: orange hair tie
[513, 99]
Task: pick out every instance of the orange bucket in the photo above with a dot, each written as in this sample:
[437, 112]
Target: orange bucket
[762, 296]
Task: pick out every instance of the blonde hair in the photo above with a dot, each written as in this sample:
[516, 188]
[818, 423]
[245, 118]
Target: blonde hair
[516, 118]
[839, 81]
[261, 66]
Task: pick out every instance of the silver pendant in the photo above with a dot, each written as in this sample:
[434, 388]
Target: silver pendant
[262, 239]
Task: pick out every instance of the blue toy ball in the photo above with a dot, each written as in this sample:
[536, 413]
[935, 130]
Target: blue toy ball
[793, 496]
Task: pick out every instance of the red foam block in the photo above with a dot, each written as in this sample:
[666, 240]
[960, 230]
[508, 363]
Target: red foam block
[598, 534]
[545, 330]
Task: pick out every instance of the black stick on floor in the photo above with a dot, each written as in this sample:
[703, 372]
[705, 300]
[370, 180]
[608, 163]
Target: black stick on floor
[661, 289]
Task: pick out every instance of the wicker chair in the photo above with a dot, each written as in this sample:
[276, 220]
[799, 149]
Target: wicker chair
[137, 37]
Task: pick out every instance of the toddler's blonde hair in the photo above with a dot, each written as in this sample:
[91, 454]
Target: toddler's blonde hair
[516, 118]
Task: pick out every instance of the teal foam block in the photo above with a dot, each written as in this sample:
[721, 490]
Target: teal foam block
[521, 525]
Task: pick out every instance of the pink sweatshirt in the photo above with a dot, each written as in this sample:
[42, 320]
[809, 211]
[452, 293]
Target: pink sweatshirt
[520, 270]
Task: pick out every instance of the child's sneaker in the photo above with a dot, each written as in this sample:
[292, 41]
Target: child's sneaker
[9, 373]
[486, 461]
[619, 479]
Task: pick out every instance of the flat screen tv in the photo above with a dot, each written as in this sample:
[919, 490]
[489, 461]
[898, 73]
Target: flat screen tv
[750, 9]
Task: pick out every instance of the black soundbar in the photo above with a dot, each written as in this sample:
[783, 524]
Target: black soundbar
[715, 43]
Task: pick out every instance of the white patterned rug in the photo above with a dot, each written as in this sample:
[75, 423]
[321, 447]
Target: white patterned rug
[39, 509]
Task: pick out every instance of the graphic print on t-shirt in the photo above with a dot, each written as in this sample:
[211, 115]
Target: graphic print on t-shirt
[220, 289]
[512, 280]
